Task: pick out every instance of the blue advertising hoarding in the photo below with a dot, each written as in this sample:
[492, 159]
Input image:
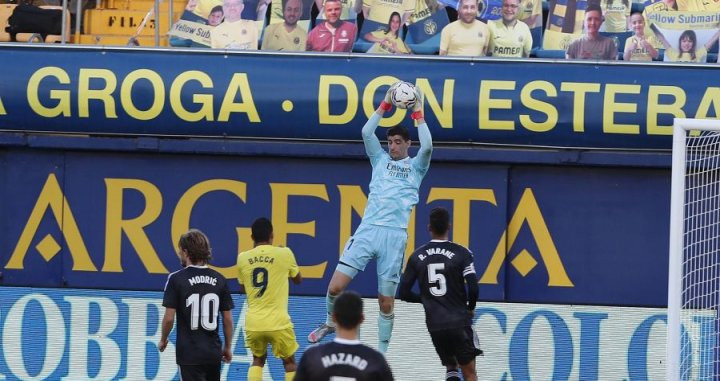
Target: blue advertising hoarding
[64, 334]
[539, 234]
[241, 94]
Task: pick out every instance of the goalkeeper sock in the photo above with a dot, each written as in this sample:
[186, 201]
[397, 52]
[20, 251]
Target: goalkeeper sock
[452, 375]
[255, 373]
[329, 303]
[385, 326]
[289, 376]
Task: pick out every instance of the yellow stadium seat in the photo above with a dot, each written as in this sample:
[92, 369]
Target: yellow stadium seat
[115, 40]
[123, 22]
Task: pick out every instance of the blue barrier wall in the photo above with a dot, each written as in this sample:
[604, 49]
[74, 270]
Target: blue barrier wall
[77, 334]
[253, 94]
[541, 233]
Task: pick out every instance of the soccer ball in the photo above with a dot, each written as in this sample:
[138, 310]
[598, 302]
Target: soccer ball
[404, 95]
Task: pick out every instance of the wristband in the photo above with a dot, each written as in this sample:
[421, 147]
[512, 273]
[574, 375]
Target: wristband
[416, 115]
[385, 106]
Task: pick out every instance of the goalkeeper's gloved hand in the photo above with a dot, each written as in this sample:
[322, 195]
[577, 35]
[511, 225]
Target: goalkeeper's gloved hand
[419, 105]
[387, 102]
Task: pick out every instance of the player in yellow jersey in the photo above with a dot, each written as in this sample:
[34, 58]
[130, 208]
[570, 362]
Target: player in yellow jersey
[263, 272]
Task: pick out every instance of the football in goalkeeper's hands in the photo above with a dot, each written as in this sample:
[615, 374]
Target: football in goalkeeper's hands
[404, 95]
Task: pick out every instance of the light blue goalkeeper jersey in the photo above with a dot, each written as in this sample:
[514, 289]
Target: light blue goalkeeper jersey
[395, 183]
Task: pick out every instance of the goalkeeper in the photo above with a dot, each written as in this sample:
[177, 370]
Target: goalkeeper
[382, 234]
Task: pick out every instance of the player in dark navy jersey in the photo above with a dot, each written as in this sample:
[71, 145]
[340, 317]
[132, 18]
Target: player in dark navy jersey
[197, 295]
[344, 358]
[443, 269]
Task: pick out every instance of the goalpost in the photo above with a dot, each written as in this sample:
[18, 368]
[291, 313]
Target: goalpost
[694, 268]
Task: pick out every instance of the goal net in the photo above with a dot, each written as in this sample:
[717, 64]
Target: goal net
[694, 270]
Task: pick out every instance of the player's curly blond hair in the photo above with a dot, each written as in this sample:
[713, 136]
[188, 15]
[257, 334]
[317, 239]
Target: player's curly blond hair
[197, 246]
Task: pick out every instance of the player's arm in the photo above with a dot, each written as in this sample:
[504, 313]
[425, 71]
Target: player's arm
[471, 281]
[424, 135]
[167, 324]
[406, 283]
[228, 327]
[473, 291]
[226, 306]
[293, 268]
[372, 144]
[170, 302]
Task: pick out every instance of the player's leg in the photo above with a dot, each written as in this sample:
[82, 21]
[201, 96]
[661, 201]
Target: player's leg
[386, 313]
[192, 372]
[468, 371]
[467, 349]
[390, 246]
[290, 367]
[257, 341]
[212, 372]
[356, 255]
[284, 345]
[444, 347]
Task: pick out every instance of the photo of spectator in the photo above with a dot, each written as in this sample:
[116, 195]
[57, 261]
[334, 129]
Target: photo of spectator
[388, 41]
[639, 47]
[216, 16]
[234, 32]
[332, 35]
[617, 15]
[687, 49]
[510, 38]
[287, 35]
[530, 12]
[350, 9]
[467, 36]
[592, 45]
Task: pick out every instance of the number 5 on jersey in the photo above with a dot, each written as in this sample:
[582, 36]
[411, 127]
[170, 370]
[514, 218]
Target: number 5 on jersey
[437, 278]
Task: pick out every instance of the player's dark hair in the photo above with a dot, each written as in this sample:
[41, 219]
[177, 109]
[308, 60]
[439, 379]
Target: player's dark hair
[348, 309]
[439, 220]
[399, 130]
[197, 246]
[217, 8]
[261, 230]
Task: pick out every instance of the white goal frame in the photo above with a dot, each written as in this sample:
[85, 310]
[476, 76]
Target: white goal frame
[677, 231]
